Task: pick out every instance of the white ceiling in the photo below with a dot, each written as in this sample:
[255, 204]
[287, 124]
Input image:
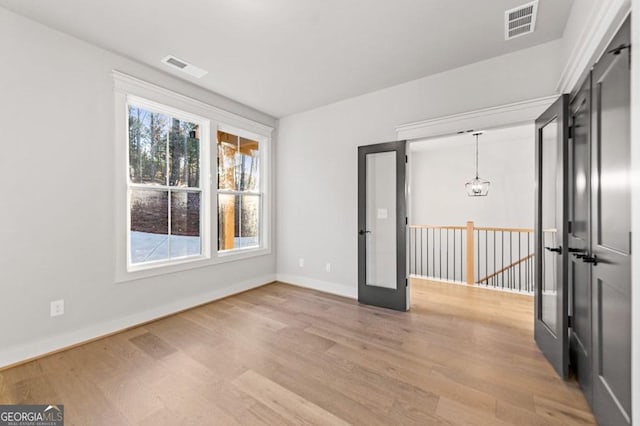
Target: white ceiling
[287, 56]
[497, 135]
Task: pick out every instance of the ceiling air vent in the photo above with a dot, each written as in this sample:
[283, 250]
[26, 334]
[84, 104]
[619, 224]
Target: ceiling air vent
[184, 66]
[520, 20]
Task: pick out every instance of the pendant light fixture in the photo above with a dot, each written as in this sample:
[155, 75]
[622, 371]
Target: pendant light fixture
[477, 187]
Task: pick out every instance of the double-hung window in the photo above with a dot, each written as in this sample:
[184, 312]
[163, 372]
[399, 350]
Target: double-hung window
[239, 195]
[192, 182]
[164, 186]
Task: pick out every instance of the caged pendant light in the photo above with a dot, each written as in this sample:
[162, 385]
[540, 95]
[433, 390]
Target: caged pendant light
[477, 187]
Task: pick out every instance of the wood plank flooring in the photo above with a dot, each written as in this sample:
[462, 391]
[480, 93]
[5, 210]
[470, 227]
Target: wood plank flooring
[284, 355]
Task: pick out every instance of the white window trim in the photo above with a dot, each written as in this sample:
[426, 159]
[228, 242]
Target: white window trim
[132, 90]
[203, 187]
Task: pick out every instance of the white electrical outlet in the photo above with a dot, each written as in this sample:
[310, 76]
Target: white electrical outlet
[301, 262]
[57, 308]
[327, 267]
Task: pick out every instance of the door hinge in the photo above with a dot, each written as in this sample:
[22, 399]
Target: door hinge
[570, 321]
[569, 227]
[630, 242]
[406, 220]
[406, 158]
[570, 130]
[618, 50]
[406, 282]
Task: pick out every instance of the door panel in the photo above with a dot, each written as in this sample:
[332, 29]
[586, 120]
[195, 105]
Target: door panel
[381, 219]
[611, 227]
[551, 297]
[382, 212]
[614, 201]
[579, 239]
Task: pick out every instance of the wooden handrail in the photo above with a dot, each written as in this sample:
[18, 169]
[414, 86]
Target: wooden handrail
[493, 229]
[469, 230]
[436, 227]
[516, 263]
[481, 228]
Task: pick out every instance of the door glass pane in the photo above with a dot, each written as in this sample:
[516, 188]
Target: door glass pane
[549, 196]
[381, 243]
[580, 157]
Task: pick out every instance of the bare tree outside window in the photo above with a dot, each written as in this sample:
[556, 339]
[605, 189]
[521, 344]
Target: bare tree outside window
[164, 187]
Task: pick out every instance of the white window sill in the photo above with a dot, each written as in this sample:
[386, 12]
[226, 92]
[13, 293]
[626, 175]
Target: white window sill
[240, 254]
[138, 272]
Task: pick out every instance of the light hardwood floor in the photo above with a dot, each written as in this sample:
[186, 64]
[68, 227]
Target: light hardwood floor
[284, 355]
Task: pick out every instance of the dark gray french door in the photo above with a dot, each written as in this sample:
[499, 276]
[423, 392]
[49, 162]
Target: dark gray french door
[551, 295]
[583, 234]
[611, 232]
[382, 219]
[579, 230]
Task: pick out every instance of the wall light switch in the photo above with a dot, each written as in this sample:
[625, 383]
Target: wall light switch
[301, 262]
[327, 267]
[57, 308]
[383, 213]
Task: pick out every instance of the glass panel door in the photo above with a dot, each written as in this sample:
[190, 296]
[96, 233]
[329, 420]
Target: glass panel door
[551, 295]
[382, 264]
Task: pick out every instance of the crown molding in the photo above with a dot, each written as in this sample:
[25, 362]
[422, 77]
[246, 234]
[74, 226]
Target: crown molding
[602, 24]
[497, 116]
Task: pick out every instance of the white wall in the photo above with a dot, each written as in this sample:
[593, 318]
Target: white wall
[57, 209]
[438, 176]
[317, 155]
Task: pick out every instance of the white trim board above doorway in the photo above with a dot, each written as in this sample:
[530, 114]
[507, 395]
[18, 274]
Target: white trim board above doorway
[498, 116]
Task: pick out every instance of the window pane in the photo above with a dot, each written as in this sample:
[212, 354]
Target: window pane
[226, 221]
[249, 226]
[227, 149]
[247, 166]
[184, 154]
[149, 225]
[185, 224]
[147, 146]
[238, 163]
[238, 221]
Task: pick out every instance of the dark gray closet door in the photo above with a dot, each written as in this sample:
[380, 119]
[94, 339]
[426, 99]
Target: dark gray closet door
[611, 233]
[382, 215]
[579, 238]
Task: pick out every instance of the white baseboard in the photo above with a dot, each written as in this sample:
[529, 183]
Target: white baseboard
[324, 286]
[27, 351]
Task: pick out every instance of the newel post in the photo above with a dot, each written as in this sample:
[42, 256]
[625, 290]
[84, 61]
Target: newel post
[470, 256]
